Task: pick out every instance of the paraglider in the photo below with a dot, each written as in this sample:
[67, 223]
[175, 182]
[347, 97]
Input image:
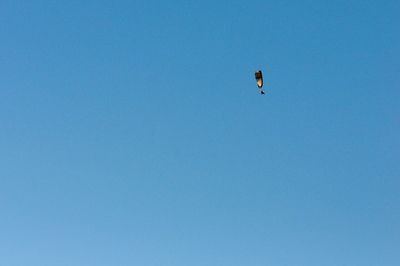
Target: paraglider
[260, 81]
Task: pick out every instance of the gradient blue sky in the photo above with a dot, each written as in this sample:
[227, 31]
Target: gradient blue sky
[133, 133]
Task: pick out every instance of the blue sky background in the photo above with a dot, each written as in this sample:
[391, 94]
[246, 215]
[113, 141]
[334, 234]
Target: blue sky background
[133, 133]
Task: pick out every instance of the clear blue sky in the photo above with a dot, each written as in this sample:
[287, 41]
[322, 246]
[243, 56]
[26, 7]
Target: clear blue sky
[133, 133]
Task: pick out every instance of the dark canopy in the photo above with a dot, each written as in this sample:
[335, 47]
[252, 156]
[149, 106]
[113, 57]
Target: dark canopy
[259, 79]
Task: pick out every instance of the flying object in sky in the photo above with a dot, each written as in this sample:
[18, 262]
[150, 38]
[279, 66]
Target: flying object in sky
[260, 81]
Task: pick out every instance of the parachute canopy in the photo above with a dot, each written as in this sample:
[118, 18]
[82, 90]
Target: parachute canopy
[260, 82]
[259, 78]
